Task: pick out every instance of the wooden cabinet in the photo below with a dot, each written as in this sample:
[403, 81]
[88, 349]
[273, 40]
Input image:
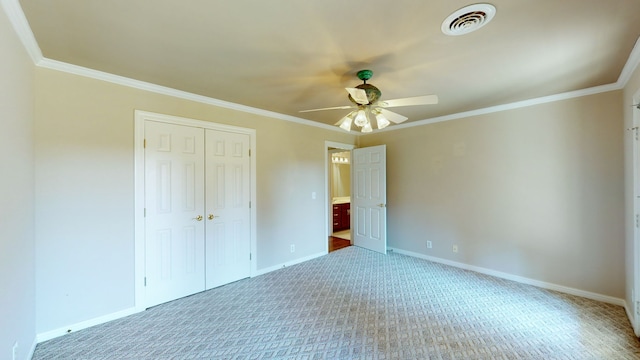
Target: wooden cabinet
[341, 216]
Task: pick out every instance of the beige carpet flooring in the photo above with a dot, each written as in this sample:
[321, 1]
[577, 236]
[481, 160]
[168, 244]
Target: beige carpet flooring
[357, 304]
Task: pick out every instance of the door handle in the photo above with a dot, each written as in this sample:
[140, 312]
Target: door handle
[211, 216]
[382, 205]
[199, 218]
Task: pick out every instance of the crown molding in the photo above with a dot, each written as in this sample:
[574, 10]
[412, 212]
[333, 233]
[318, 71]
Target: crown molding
[630, 66]
[510, 106]
[163, 90]
[20, 24]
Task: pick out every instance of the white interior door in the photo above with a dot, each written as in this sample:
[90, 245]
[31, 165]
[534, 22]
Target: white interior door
[369, 198]
[174, 206]
[228, 238]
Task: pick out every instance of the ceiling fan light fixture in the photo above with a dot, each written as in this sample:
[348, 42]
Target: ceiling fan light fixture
[365, 98]
[361, 118]
[345, 124]
[382, 121]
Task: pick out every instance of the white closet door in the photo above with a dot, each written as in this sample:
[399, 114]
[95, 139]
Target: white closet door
[369, 198]
[174, 204]
[228, 238]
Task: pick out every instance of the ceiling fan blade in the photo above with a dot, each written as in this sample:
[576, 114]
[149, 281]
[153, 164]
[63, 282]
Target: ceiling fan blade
[359, 95]
[418, 100]
[391, 116]
[329, 108]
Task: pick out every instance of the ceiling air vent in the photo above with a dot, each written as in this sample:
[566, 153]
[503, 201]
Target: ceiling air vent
[468, 19]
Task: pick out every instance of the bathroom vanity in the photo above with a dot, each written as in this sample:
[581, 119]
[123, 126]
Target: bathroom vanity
[341, 213]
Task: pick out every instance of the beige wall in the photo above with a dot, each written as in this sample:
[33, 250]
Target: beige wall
[84, 191]
[17, 279]
[631, 90]
[535, 192]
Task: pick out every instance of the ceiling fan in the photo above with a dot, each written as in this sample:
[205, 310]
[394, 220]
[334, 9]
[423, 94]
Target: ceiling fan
[366, 100]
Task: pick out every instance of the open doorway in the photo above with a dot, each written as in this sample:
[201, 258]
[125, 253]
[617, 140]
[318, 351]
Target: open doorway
[338, 175]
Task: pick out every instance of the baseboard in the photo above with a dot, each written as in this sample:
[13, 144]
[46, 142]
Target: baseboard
[289, 263]
[519, 279]
[126, 312]
[32, 350]
[84, 324]
[629, 315]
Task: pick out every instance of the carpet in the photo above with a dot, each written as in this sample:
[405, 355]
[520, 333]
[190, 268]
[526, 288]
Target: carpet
[358, 304]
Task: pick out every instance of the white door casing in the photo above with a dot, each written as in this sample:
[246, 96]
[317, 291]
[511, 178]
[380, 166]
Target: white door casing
[327, 178]
[369, 198]
[228, 207]
[141, 119]
[635, 133]
[174, 193]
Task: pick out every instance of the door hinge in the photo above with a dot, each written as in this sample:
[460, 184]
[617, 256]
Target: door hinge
[145, 281]
[637, 220]
[249, 204]
[637, 307]
[249, 256]
[145, 212]
[144, 143]
[249, 152]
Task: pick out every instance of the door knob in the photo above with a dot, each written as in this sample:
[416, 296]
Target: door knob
[381, 205]
[211, 216]
[199, 218]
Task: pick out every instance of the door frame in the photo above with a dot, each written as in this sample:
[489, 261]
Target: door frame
[635, 158]
[328, 145]
[139, 185]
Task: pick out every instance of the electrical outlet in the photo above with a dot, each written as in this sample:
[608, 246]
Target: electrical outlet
[15, 350]
[293, 248]
[455, 248]
[429, 245]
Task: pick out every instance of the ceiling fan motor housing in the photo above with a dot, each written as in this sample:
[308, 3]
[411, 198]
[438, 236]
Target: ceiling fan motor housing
[373, 93]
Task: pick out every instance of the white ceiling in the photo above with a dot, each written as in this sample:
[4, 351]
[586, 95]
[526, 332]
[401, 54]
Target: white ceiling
[286, 56]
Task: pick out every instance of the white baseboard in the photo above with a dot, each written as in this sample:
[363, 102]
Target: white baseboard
[289, 263]
[48, 335]
[629, 315]
[32, 350]
[84, 324]
[519, 279]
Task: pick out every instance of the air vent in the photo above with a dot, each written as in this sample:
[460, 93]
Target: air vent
[468, 19]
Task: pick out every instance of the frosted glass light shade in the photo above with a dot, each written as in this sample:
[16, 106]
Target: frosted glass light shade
[361, 118]
[382, 121]
[346, 123]
[367, 128]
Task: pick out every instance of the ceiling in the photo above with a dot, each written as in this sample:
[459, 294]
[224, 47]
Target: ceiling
[286, 56]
